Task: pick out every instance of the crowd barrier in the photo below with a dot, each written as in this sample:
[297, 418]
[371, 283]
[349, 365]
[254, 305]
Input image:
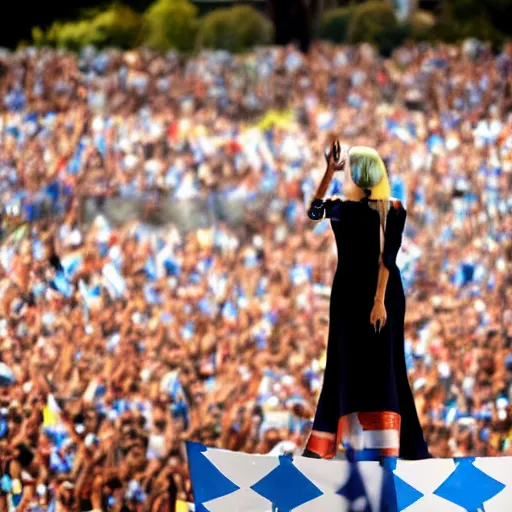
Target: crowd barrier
[186, 214]
[224, 480]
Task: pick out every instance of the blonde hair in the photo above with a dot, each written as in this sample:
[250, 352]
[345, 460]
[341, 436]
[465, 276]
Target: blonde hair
[368, 172]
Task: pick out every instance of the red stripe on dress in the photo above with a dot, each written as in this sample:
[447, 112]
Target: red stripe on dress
[326, 448]
[389, 452]
[383, 420]
[343, 429]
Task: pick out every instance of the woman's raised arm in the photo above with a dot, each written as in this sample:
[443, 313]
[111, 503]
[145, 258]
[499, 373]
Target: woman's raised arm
[335, 160]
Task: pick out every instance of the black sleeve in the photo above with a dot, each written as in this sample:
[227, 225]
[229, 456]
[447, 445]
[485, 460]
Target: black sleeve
[329, 209]
[393, 239]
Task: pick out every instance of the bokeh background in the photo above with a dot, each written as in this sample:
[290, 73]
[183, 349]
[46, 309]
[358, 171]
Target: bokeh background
[159, 278]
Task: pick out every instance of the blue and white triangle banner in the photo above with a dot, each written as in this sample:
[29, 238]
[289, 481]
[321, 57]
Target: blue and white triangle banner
[230, 481]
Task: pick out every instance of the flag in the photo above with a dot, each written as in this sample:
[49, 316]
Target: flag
[19, 234]
[225, 480]
[171, 385]
[299, 275]
[71, 263]
[230, 312]
[114, 281]
[6, 375]
[277, 119]
[90, 296]
[183, 506]
[51, 412]
[62, 285]
[325, 121]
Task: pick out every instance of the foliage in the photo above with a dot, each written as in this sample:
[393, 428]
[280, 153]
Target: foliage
[71, 35]
[391, 37]
[373, 21]
[38, 36]
[482, 29]
[334, 24]
[170, 24]
[421, 23]
[175, 24]
[369, 20]
[117, 26]
[216, 31]
[480, 20]
[235, 29]
[251, 27]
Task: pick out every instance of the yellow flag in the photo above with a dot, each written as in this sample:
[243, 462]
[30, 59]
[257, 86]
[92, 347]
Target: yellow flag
[276, 118]
[51, 412]
[181, 506]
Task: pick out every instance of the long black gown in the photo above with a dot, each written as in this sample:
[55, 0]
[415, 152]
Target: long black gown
[365, 371]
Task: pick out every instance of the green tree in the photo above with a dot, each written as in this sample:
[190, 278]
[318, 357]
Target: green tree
[38, 36]
[251, 27]
[170, 24]
[71, 35]
[421, 23]
[369, 21]
[235, 29]
[117, 26]
[474, 18]
[334, 24]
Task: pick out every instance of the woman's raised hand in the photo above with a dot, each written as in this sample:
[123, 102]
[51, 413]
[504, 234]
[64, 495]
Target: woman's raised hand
[336, 156]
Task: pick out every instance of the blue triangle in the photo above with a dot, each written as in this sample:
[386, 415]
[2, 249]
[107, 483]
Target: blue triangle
[389, 463]
[464, 460]
[354, 489]
[286, 487]
[207, 481]
[469, 487]
[388, 501]
[406, 494]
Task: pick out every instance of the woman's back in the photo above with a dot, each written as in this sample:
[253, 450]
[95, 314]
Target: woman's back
[357, 236]
[356, 228]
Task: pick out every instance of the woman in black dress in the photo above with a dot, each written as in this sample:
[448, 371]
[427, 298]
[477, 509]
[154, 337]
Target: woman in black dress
[366, 404]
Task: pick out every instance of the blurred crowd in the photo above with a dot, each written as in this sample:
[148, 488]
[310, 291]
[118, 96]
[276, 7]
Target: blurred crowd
[119, 342]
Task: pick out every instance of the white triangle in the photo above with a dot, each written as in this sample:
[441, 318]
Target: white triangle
[425, 475]
[499, 468]
[243, 500]
[327, 475]
[242, 469]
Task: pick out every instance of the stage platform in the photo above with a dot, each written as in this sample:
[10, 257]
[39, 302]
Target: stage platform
[225, 481]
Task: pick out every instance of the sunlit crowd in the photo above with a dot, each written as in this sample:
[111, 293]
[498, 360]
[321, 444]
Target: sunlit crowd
[121, 340]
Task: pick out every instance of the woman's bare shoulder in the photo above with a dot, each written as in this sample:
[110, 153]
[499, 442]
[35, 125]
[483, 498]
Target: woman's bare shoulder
[396, 203]
[336, 198]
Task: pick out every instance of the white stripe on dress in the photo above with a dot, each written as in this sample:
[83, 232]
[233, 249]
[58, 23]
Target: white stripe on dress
[381, 439]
